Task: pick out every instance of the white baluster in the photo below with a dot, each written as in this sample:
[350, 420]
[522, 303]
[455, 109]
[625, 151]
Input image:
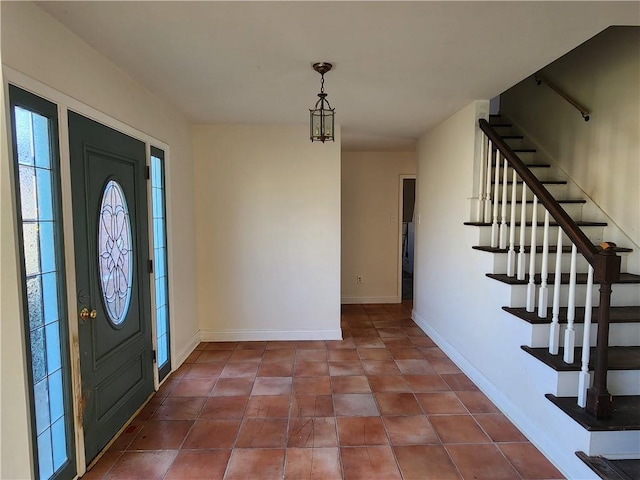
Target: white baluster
[543, 293]
[480, 206]
[511, 255]
[522, 258]
[487, 190]
[496, 193]
[503, 223]
[531, 287]
[570, 333]
[584, 378]
[554, 333]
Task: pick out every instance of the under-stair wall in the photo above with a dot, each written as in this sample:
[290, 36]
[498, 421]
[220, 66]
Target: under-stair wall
[602, 155]
[462, 310]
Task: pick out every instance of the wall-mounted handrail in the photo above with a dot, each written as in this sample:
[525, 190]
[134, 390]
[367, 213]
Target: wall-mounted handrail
[583, 111]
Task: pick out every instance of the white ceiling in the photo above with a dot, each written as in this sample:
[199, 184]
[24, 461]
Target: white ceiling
[399, 67]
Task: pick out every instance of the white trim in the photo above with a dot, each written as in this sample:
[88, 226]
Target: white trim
[357, 300]
[272, 335]
[402, 178]
[152, 275]
[65, 104]
[525, 424]
[184, 352]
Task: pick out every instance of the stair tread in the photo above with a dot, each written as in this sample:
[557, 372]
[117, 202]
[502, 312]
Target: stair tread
[616, 315]
[532, 165]
[620, 358]
[552, 249]
[625, 409]
[566, 200]
[581, 278]
[520, 150]
[545, 182]
[580, 223]
[608, 469]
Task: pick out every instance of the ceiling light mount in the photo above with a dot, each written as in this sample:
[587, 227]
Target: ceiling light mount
[322, 115]
[322, 67]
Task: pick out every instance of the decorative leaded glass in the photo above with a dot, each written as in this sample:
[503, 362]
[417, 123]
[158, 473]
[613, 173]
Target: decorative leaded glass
[160, 260]
[35, 161]
[115, 255]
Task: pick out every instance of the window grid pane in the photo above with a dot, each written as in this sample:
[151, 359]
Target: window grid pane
[160, 259]
[38, 225]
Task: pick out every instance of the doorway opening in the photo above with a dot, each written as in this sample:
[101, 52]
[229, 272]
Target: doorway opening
[407, 207]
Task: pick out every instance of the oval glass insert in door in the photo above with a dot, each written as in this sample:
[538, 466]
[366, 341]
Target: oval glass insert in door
[115, 252]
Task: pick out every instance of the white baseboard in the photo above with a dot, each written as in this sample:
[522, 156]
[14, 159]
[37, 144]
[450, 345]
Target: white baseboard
[519, 418]
[185, 351]
[358, 300]
[271, 335]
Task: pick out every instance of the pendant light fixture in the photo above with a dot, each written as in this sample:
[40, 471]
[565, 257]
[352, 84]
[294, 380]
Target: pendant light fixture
[321, 122]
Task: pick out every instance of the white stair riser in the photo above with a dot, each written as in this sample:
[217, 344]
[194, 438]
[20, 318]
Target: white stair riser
[619, 382]
[573, 209]
[504, 130]
[514, 142]
[620, 334]
[595, 234]
[541, 173]
[623, 295]
[500, 262]
[527, 157]
[556, 190]
[615, 445]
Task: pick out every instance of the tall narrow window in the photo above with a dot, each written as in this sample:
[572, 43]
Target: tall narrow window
[160, 261]
[35, 140]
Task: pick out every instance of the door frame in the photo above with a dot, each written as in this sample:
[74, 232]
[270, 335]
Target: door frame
[66, 103]
[401, 180]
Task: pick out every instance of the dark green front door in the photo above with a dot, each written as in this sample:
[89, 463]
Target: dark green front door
[108, 179]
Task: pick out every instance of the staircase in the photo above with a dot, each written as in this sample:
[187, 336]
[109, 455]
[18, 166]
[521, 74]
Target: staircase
[613, 440]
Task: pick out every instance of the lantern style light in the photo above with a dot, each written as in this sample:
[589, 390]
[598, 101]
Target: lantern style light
[322, 114]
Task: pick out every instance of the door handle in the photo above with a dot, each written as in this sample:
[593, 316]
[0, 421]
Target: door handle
[85, 314]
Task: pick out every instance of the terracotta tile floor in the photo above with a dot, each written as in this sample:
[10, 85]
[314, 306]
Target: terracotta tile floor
[384, 403]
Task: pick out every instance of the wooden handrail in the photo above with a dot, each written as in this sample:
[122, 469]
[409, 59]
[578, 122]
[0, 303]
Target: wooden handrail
[583, 111]
[573, 231]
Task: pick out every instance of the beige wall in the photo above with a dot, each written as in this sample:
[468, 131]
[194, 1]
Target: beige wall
[40, 48]
[268, 233]
[370, 224]
[445, 180]
[603, 155]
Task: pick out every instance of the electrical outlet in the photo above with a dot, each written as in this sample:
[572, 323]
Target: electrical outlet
[358, 279]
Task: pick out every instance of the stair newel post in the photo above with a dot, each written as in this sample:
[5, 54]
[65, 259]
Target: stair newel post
[487, 191]
[570, 333]
[607, 271]
[523, 226]
[511, 255]
[531, 287]
[543, 293]
[584, 378]
[503, 223]
[554, 332]
[496, 195]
